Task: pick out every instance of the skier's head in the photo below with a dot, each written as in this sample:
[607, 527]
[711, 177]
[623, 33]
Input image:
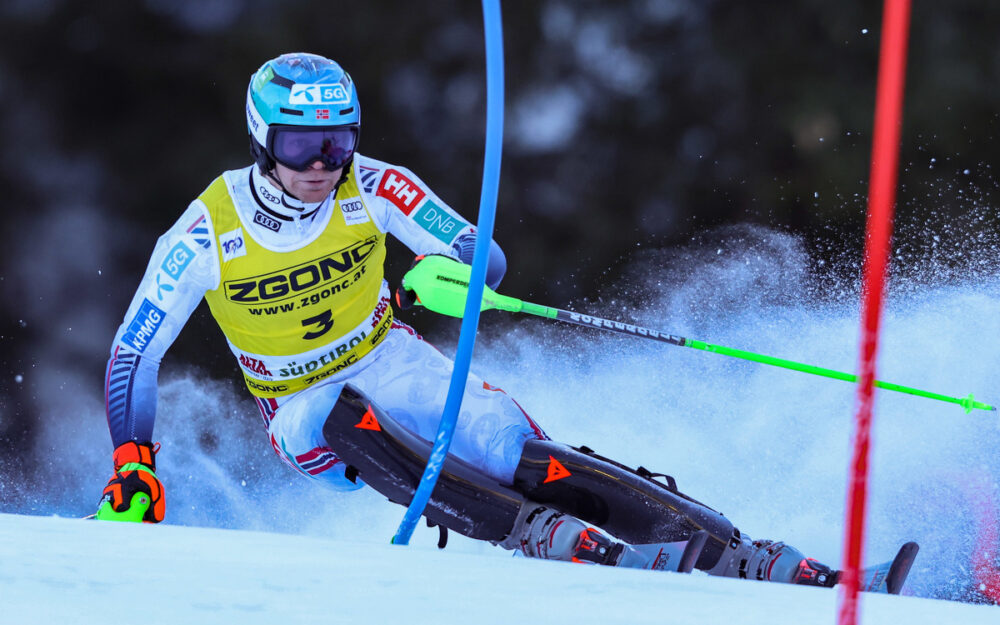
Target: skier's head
[302, 113]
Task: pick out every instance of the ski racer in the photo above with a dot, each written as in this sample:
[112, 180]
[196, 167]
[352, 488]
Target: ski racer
[289, 252]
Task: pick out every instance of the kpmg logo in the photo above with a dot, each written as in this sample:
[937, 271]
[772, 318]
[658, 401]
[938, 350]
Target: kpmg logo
[263, 220]
[143, 326]
[319, 94]
[178, 258]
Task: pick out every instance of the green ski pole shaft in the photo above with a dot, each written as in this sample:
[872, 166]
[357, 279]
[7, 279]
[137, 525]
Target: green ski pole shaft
[968, 403]
[441, 285]
[589, 321]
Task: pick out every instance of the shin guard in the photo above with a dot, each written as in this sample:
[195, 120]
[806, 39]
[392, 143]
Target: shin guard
[627, 503]
[391, 460]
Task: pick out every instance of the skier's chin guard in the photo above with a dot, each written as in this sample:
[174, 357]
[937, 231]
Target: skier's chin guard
[391, 460]
[629, 504]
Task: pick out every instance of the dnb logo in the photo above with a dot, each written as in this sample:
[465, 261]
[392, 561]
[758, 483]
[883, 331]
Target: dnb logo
[318, 94]
[435, 220]
[286, 283]
[143, 326]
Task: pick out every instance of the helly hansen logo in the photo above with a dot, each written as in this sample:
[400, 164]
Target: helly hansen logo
[143, 326]
[400, 190]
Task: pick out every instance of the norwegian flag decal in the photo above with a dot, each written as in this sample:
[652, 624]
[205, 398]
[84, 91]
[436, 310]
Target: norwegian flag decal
[200, 231]
[317, 460]
[369, 176]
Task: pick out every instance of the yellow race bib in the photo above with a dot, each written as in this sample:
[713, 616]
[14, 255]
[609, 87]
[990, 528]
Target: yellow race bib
[292, 318]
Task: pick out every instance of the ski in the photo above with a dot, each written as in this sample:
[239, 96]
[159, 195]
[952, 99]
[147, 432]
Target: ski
[679, 556]
[889, 577]
[692, 551]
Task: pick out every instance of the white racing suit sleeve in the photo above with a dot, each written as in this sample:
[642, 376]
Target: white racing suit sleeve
[184, 265]
[406, 208]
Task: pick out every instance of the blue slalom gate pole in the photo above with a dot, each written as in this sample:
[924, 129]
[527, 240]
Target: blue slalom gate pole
[470, 319]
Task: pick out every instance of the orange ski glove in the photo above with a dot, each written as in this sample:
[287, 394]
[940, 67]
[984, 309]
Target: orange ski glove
[135, 472]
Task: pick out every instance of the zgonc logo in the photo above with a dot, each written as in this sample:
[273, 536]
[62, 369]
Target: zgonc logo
[293, 281]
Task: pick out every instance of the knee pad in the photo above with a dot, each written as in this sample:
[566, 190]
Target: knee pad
[391, 460]
[628, 503]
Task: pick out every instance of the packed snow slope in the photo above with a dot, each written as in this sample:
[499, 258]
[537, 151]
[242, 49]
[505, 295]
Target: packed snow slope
[73, 571]
[767, 447]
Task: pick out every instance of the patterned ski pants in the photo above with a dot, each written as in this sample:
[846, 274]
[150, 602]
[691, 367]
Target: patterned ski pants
[408, 378]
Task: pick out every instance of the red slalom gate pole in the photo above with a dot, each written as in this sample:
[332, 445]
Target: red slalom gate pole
[881, 199]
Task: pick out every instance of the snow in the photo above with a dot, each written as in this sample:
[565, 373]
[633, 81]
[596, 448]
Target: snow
[767, 447]
[76, 571]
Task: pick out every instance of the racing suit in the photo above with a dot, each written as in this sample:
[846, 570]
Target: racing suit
[298, 291]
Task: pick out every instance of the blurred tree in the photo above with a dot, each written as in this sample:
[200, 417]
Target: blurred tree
[630, 124]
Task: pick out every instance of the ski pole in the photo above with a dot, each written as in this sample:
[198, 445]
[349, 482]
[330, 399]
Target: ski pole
[440, 284]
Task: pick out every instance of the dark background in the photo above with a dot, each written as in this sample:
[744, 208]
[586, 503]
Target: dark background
[630, 126]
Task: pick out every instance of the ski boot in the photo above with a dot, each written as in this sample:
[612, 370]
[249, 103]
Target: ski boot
[551, 535]
[545, 533]
[772, 561]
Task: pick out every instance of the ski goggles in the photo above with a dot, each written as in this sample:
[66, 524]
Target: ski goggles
[299, 147]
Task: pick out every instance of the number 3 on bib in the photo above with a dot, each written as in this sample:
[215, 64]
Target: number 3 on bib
[324, 322]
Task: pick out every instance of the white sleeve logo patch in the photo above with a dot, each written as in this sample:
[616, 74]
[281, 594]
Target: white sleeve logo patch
[354, 211]
[233, 245]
